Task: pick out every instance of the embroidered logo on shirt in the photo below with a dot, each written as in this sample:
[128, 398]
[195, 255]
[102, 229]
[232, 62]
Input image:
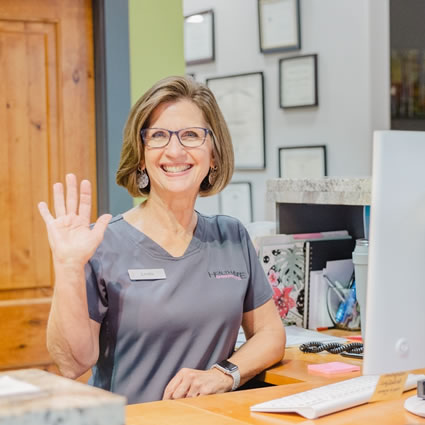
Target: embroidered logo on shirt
[227, 274]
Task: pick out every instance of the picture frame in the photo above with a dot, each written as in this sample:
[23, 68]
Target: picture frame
[303, 161]
[241, 100]
[236, 200]
[298, 81]
[199, 44]
[279, 24]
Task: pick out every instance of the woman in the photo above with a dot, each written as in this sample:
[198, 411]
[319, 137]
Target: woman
[153, 299]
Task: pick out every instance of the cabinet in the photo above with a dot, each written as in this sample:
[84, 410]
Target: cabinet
[318, 205]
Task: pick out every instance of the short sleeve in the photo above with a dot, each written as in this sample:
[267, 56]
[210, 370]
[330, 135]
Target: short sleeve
[259, 290]
[97, 299]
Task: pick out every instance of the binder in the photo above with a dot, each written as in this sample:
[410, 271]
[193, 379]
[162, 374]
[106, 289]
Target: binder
[287, 261]
[316, 254]
[282, 260]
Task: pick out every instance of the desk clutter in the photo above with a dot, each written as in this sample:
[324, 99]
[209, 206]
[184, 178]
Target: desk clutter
[332, 368]
[332, 347]
[330, 398]
[36, 397]
[312, 277]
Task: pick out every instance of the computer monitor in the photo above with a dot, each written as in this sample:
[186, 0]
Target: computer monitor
[395, 303]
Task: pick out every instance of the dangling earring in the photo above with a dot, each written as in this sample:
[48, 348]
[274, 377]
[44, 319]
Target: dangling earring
[212, 175]
[142, 179]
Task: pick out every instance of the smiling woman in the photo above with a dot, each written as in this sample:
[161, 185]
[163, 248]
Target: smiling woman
[160, 292]
[177, 165]
[200, 100]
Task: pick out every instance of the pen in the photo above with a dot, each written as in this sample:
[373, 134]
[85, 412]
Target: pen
[324, 328]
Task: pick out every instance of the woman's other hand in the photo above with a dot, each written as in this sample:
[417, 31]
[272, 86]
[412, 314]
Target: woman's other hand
[70, 237]
[193, 383]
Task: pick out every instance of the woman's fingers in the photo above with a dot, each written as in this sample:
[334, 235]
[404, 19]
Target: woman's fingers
[71, 194]
[85, 201]
[59, 200]
[100, 225]
[45, 213]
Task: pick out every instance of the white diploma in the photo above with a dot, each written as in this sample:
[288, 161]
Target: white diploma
[198, 38]
[241, 101]
[279, 24]
[298, 82]
[236, 201]
[302, 163]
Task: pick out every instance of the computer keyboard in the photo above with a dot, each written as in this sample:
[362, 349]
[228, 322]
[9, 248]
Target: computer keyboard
[330, 398]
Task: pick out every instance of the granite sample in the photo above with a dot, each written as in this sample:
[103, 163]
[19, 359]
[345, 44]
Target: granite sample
[326, 191]
[61, 401]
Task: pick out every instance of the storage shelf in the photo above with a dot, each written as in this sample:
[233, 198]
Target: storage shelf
[319, 205]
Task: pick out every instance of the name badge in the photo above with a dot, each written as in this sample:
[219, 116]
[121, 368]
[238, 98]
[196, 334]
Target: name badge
[146, 274]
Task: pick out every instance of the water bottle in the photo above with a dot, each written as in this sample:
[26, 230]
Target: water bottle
[360, 261]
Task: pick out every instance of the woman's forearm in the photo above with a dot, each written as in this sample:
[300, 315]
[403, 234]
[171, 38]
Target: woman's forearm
[261, 351]
[72, 338]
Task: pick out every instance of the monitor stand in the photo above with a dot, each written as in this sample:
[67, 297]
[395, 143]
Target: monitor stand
[415, 405]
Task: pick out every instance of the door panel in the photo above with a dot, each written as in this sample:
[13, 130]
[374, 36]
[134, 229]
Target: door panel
[28, 107]
[47, 129]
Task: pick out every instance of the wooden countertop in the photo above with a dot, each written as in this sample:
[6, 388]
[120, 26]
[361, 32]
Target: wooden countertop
[233, 408]
[289, 376]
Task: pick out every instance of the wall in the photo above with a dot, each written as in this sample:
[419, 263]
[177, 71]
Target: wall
[112, 100]
[134, 53]
[352, 42]
[156, 42]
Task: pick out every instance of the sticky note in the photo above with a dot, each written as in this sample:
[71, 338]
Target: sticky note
[389, 387]
[332, 368]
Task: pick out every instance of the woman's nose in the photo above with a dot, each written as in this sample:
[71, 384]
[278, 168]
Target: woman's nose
[174, 146]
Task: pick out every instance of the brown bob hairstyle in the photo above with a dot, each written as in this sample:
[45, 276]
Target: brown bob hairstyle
[172, 89]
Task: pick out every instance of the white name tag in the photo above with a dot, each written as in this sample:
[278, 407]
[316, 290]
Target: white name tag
[146, 274]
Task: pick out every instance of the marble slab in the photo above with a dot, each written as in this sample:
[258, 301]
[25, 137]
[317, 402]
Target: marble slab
[326, 190]
[62, 401]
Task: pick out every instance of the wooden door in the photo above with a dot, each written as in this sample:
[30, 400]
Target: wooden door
[47, 129]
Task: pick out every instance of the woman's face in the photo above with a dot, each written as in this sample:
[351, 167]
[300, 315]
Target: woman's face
[175, 169]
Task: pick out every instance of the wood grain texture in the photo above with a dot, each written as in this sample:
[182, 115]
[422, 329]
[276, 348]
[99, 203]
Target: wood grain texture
[235, 406]
[24, 338]
[47, 118]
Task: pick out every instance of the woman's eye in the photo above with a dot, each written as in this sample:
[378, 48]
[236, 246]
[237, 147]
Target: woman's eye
[159, 135]
[190, 135]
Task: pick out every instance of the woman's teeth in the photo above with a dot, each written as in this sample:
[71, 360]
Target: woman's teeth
[175, 168]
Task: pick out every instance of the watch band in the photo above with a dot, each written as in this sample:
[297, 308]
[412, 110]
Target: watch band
[229, 369]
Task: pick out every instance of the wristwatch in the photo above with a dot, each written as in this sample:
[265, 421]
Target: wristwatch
[229, 369]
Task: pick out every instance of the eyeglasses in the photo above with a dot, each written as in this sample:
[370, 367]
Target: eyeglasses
[191, 137]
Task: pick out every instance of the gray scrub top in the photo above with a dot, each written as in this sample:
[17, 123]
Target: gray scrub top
[150, 329]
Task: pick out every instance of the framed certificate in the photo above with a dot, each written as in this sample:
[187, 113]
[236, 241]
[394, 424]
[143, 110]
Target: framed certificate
[302, 162]
[199, 38]
[279, 25]
[298, 81]
[236, 201]
[241, 100]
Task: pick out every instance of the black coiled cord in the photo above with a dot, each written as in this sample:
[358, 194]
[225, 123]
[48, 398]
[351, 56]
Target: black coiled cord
[332, 347]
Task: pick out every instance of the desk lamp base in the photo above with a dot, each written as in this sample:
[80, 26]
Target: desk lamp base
[415, 405]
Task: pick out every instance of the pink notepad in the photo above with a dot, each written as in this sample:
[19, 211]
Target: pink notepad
[332, 368]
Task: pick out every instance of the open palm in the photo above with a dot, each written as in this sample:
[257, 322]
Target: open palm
[70, 237]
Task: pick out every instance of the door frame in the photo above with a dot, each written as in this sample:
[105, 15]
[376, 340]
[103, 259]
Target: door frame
[112, 99]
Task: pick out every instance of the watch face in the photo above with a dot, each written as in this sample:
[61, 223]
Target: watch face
[228, 365]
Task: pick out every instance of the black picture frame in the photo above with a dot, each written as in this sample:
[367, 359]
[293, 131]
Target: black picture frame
[199, 41]
[241, 100]
[279, 25]
[298, 81]
[236, 200]
[312, 158]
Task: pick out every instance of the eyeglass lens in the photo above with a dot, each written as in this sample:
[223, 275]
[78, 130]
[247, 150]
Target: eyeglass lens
[159, 137]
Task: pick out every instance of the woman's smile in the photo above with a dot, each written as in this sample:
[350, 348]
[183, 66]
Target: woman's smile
[176, 168]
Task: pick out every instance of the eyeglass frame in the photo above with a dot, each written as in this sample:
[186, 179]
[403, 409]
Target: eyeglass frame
[176, 132]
